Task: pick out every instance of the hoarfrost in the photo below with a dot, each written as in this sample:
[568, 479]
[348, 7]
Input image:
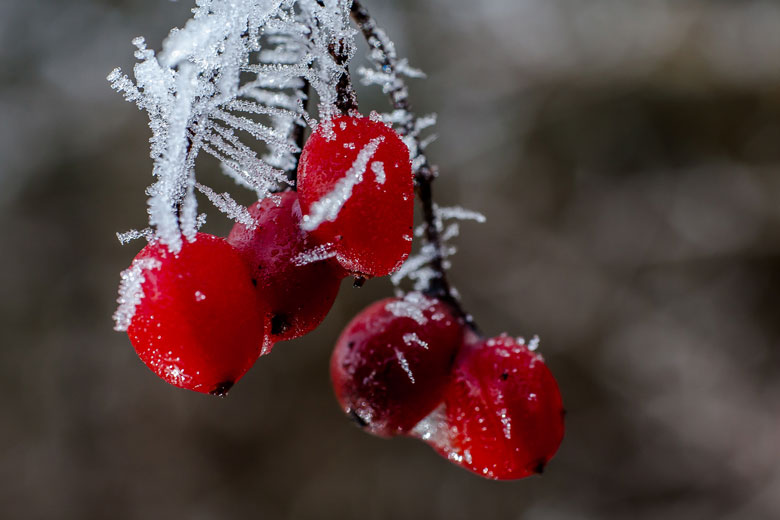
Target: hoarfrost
[134, 234]
[229, 207]
[235, 66]
[434, 429]
[200, 221]
[411, 338]
[316, 254]
[131, 291]
[404, 364]
[417, 267]
[412, 305]
[450, 232]
[378, 167]
[506, 423]
[456, 212]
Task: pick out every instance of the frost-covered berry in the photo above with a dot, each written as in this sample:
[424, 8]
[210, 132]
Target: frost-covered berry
[293, 280]
[392, 363]
[503, 410]
[357, 195]
[195, 320]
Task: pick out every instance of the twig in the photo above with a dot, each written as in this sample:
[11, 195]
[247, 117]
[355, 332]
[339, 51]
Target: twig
[346, 100]
[385, 56]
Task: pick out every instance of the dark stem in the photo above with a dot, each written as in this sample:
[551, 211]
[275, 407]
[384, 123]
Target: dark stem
[438, 286]
[346, 100]
[298, 135]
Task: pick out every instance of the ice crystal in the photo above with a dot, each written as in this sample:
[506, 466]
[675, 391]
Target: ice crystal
[404, 364]
[411, 306]
[434, 428]
[134, 234]
[417, 267]
[228, 206]
[131, 291]
[378, 167]
[316, 254]
[411, 338]
[236, 68]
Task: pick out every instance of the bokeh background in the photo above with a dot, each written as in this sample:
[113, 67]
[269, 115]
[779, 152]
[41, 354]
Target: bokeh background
[627, 157]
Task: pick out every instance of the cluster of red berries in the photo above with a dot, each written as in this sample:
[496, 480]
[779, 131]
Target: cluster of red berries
[404, 366]
[410, 366]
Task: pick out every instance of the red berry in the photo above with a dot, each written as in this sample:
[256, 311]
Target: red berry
[297, 289]
[355, 184]
[392, 363]
[503, 409]
[197, 324]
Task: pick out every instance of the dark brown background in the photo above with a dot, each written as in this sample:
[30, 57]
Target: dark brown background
[626, 155]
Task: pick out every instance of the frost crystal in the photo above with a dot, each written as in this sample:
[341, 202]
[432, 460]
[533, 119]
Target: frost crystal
[236, 68]
[411, 338]
[229, 207]
[417, 266]
[316, 254]
[506, 423]
[134, 234]
[434, 429]
[410, 306]
[131, 291]
[378, 167]
[404, 364]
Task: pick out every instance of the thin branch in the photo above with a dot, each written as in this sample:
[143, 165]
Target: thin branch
[346, 100]
[384, 55]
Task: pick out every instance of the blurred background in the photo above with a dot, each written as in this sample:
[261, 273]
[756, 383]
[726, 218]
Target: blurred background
[627, 157]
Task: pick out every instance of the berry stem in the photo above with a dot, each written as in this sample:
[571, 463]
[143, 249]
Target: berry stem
[346, 100]
[383, 53]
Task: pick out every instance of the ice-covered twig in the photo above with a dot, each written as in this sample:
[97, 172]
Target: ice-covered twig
[237, 68]
[429, 266]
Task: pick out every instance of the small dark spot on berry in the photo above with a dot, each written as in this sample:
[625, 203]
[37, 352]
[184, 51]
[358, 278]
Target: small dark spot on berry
[358, 420]
[505, 376]
[351, 345]
[339, 237]
[221, 390]
[539, 468]
[359, 281]
[279, 324]
[254, 282]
